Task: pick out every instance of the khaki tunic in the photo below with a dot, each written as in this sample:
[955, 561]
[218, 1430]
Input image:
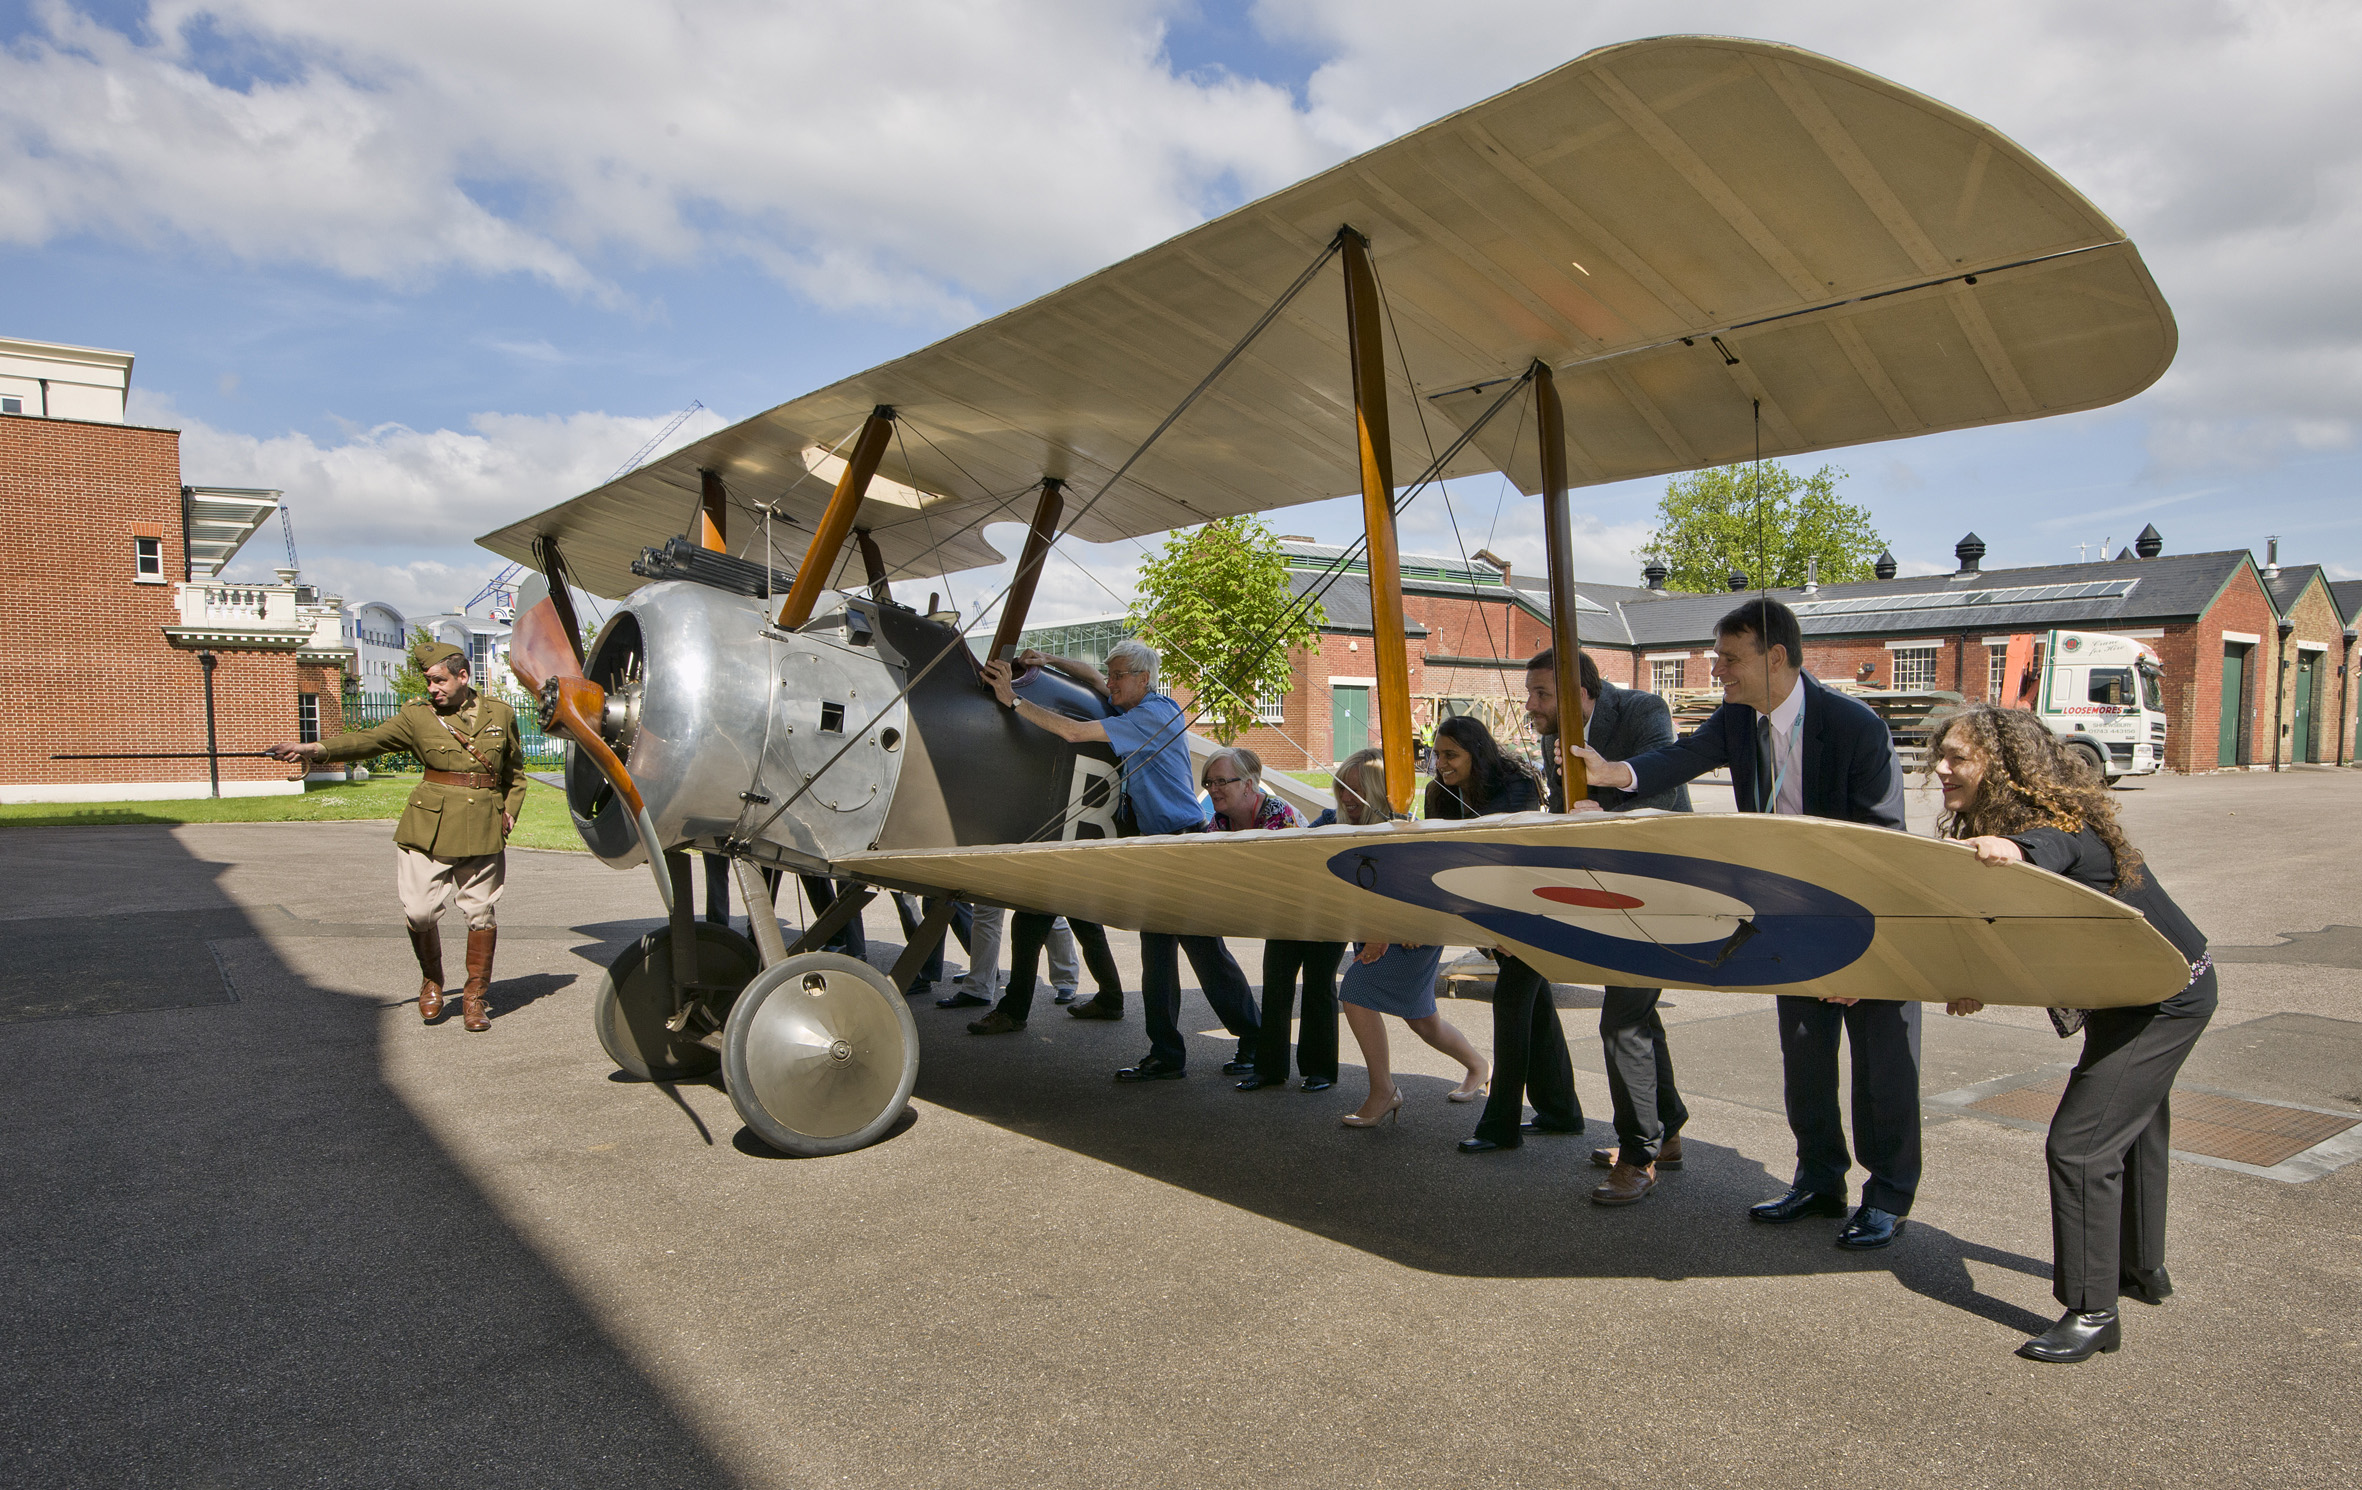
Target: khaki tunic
[449, 822]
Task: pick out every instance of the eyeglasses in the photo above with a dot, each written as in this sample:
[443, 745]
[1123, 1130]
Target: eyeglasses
[1215, 781]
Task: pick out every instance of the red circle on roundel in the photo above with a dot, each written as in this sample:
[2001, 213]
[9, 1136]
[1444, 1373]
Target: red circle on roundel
[1590, 900]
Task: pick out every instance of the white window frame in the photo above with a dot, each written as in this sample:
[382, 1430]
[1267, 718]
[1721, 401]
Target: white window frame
[1919, 655]
[1657, 667]
[140, 554]
[1996, 672]
[307, 718]
[1271, 708]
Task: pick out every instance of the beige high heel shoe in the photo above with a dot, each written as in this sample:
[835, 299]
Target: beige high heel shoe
[1474, 1093]
[1393, 1110]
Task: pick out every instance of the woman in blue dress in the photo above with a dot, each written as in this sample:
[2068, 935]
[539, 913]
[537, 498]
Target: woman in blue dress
[1389, 978]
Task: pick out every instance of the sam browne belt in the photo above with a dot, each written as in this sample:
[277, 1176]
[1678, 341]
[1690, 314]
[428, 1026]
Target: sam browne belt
[481, 780]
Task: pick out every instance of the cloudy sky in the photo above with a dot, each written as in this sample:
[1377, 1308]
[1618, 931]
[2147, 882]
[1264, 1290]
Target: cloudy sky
[428, 267]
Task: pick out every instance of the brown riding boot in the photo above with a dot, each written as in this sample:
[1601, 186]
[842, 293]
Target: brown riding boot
[473, 1013]
[428, 944]
[1627, 1184]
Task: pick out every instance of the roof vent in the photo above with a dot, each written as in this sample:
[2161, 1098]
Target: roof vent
[1738, 579]
[2122, 554]
[1487, 556]
[1885, 567]
[1812, 574]
[2150, 544]
[2272, 557]
[1655, 572]
[1971, 552]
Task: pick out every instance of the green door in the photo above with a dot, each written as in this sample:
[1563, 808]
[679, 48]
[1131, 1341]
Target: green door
[2234, 701]
[2308, 678]
[1349, 720]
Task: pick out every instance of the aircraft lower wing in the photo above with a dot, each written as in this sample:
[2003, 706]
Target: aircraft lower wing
[1730, 902]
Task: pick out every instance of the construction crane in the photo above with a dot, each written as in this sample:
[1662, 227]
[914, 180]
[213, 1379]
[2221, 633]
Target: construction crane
[501, 590]
[657, 439]
[287, 531]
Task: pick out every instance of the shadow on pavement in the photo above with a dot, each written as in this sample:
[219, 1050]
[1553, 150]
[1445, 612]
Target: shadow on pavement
[1404, 1192]
[230, 1254]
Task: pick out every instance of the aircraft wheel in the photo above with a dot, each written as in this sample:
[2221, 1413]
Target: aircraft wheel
[635, 998]
[820, 1054]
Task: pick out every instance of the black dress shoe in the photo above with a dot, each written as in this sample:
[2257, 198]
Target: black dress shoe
[1870, 1227]
[2076, 1337]
[1096, 1008]
[1486, 1146]
[962, 1000]
[1795, 1206]
[1239, 1067]
[924, 985]
[1258, 1083]
[1539, 1126]
[1151, 1069]
[2149, 1285]
[1317, 1083]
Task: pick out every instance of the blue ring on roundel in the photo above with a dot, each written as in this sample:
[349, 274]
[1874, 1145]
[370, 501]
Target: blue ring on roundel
[1801, 931]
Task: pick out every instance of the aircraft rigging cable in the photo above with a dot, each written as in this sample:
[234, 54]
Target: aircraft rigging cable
[1270, 314]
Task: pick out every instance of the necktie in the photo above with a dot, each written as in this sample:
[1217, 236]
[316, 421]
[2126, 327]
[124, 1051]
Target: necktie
[1766, 768]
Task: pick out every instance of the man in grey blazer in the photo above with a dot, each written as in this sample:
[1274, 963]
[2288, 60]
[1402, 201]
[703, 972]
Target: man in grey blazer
[1649, 1114]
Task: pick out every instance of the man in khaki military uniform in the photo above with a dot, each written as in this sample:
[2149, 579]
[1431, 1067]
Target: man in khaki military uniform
[449, 843]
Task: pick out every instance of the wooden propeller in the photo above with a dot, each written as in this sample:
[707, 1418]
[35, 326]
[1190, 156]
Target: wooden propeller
[542, 656]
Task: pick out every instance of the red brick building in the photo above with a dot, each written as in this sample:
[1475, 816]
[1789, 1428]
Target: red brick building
[110, 621]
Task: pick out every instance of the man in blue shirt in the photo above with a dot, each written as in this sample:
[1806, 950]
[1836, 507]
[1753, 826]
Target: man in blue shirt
[1150, 737]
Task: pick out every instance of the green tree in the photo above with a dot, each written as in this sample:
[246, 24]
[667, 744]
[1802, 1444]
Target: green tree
[1707, 526]
[1217, 607]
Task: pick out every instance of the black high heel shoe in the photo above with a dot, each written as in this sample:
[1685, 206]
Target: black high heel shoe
[2078, 1336]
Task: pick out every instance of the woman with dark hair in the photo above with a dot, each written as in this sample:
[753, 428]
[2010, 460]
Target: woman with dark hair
[2015, 794]
[1473, 778]
[1392, 978]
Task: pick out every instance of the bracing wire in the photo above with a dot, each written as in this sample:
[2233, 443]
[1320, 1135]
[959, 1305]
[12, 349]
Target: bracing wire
[1237, 350]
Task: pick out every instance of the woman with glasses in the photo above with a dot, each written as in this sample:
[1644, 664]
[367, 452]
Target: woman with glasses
[1392, 978]
[1233, 780]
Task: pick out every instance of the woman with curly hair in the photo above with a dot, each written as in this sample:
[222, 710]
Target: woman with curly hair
[2016, 795]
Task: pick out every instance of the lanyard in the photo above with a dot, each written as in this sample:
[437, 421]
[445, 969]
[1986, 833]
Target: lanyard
[1779, 768]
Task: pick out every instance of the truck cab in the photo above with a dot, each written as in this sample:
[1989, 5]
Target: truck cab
[2105, 695]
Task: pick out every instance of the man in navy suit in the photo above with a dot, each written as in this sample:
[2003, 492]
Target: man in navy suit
[1649, 1112]
[1794, 746]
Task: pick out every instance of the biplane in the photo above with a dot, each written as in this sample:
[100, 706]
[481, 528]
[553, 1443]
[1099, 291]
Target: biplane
[1664, 255]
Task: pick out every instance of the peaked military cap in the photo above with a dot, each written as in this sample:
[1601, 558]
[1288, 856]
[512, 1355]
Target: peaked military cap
[430, 654]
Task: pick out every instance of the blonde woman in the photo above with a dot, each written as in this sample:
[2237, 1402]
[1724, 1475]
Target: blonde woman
[1390, 978]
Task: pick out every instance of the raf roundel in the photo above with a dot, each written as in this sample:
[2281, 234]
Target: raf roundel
[1658, 919]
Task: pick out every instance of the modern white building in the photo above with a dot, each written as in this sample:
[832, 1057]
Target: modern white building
[51, 380]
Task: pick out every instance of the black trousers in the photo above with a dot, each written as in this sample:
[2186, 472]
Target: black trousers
[2108, 1149]
[1648, 1110]
[1316, 1046]
[1883, 1036]
[1529, 1057]
[1028, 931]
[1218, 975]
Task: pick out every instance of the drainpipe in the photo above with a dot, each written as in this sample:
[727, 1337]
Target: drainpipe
[206, 661]
[2280, 687]
[2345, 701]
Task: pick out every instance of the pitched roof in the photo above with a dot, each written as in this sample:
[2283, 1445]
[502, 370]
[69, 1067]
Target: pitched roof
[2288, 586]
[2348, 595]
[2099, 594]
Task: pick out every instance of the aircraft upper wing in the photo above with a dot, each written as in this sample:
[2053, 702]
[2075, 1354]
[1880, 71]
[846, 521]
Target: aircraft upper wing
[1744, 902]
[1681, 227]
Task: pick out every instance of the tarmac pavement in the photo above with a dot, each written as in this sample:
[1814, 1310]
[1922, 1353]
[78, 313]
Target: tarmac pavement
[262, 1228]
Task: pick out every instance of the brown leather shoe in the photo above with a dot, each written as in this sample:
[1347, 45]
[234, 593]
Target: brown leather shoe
[428, 944]
[1668, 1155]
[1626, 1184]
[473, 1013]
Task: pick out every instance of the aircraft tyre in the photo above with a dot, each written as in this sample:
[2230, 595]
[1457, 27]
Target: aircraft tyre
[635, 998]
[820, 1055]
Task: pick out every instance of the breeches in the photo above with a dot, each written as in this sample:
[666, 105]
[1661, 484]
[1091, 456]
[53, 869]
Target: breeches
[426, 883]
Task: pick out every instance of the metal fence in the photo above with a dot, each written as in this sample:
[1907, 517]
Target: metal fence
[363, 710]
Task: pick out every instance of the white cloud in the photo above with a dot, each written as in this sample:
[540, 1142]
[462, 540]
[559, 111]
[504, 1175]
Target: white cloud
[904, 156]
[2225, 137]
[390, 512]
